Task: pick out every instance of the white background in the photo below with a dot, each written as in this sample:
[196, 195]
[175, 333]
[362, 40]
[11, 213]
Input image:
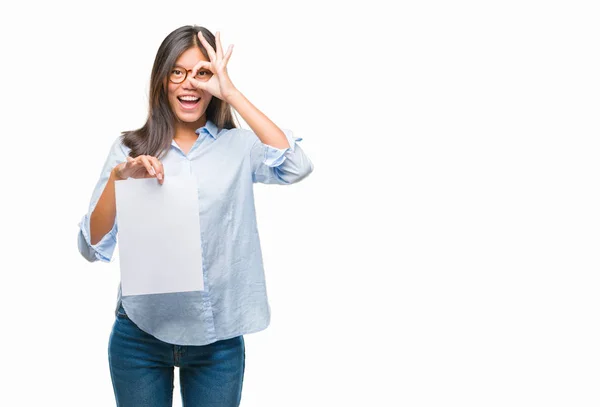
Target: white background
[444, 252]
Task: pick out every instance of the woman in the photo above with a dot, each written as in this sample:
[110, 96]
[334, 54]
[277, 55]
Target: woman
[190, 130]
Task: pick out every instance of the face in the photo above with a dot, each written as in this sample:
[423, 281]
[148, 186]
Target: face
[191, 110]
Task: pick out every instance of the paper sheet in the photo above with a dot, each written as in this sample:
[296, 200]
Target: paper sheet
[159, 235]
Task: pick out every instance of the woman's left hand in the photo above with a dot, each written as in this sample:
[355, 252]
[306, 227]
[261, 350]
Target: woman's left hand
[219, 84]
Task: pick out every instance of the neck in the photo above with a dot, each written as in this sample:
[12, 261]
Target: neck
[185, 130]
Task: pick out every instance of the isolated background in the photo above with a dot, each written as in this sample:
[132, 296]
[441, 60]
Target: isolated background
[443, 252]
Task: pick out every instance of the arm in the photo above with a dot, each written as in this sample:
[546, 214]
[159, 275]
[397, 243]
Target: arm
[263, 127]
[103, 216]
[278, 166]
[274, 155]
[220, 86]
[276, 159]
[101, 244]
[98, 228]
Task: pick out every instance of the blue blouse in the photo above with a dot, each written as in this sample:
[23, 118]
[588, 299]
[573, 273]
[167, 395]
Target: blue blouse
[234, 302]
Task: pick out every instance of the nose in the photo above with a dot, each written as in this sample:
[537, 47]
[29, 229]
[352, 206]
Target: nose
[187, 84]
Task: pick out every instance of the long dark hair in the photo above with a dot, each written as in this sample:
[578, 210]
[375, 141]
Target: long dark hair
[155, 137]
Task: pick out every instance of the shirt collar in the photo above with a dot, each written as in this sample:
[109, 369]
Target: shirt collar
[209, 128]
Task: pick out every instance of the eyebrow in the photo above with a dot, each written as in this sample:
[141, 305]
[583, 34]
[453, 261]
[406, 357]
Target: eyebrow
[182, 67]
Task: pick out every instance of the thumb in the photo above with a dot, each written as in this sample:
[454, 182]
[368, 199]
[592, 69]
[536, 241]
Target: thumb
[198, 84]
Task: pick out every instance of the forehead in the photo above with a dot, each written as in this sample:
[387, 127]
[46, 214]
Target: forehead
[190, 57]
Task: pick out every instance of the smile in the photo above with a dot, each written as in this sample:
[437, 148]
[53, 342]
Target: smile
[188, 102]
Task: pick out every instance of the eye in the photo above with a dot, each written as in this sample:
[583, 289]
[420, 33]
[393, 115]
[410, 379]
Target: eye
[203, 74]
[176, 72]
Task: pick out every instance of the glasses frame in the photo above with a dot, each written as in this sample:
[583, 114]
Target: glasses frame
[187, 71]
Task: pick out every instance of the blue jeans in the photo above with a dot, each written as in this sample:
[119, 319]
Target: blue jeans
[142, 369]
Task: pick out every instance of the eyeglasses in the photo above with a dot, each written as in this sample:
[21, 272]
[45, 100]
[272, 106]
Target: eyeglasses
[179, 74]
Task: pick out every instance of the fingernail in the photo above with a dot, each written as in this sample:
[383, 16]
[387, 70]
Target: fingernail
[152, 172]
[159, 176]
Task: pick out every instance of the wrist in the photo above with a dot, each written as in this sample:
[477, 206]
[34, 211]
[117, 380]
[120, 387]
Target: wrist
[233, 97]
[115, 173]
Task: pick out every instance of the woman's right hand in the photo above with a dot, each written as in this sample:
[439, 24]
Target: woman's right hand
[142, 166]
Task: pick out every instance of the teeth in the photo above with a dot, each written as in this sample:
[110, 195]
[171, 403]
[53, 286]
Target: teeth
[189, 98]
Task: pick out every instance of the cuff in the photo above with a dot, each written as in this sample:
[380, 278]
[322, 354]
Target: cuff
[103, 250]
[274, 157]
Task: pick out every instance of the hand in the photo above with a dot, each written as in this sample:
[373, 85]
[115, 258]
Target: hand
[219, 84]
[142, 166]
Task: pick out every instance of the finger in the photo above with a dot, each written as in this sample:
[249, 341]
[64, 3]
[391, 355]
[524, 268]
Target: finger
[209, 48]
[148, 165]
[200, 65]
[131, 167]
[120, 168]
[158, 167]
[131, 162]
[218, 44]
[228, 54]
[198, 84]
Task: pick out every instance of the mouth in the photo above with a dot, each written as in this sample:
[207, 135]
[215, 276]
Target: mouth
[188, 102]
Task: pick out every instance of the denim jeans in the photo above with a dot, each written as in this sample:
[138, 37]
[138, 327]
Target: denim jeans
[142, 369]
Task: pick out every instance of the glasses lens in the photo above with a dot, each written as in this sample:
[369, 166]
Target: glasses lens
[203, 75]
[177, 75]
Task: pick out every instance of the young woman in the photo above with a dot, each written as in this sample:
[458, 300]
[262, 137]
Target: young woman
[190, 130]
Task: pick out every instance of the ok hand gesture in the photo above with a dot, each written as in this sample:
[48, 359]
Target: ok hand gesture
[219, 84]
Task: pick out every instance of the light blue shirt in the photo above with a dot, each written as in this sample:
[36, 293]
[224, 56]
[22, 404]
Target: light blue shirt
[225, 164]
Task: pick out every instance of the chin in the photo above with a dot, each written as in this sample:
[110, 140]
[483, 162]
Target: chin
[189, 117]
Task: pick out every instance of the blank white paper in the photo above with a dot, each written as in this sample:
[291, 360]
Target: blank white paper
[159, 235]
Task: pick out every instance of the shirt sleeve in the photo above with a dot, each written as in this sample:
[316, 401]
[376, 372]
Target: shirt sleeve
[272, 165]
[103, 250]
